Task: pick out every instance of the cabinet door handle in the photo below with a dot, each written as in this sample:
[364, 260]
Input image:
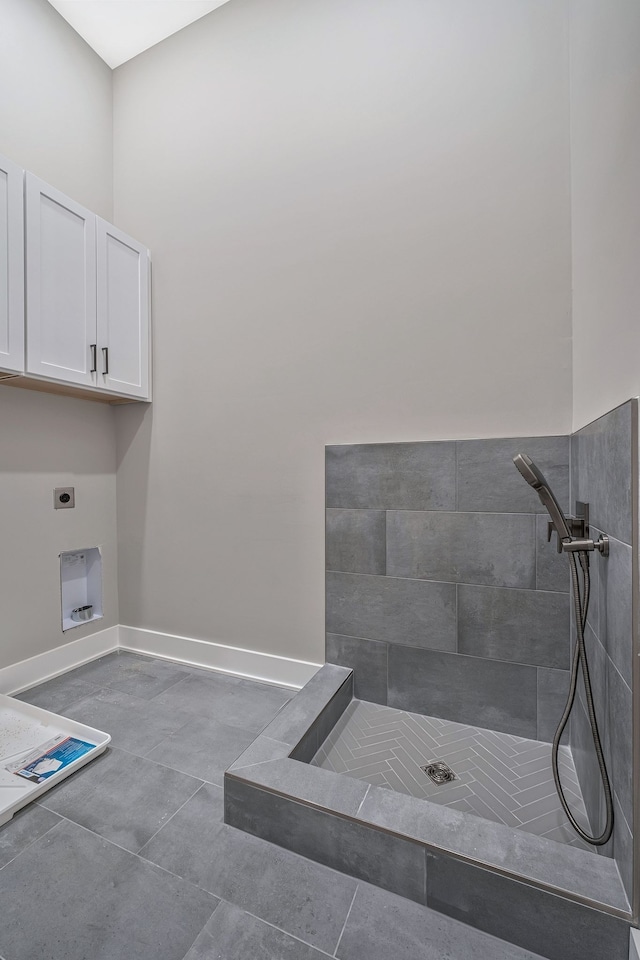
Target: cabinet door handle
[94, 357]
[105, 357]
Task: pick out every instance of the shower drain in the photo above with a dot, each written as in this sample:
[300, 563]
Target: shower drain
[439, 772]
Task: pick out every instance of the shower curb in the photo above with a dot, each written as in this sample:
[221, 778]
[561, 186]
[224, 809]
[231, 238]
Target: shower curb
[510, 884]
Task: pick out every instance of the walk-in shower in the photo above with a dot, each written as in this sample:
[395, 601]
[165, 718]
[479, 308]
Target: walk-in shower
[579, 546]
[419, 758]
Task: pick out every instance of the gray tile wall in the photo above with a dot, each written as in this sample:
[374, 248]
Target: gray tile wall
[442, 592]
[602, 454]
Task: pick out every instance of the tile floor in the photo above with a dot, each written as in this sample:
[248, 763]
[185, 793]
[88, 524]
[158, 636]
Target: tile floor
[500, 777]
[130, 858]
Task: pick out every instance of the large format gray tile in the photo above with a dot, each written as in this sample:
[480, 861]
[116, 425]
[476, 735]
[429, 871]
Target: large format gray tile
[389, 862]
[533, 919]
[122, 798]
[553, 689]
[552, 568]
[356, 541]
[307, 783]
[261, 750]
[489, 481]
[202, 748]
[330, 683]
[497, 549]
[623, 847]
[135, 725]
[381, 926]
[487, 693]
[400, 476]
[416, 612]
[58, 694]
[528, 626]
[72, 894]
[587, 767]
[615, 592]
[367, 659]
[230, 700]
[511, 852]
[621, 741]
[603, 471]
[130, 673]
[27, 825]
[303, 898]
[232, 934]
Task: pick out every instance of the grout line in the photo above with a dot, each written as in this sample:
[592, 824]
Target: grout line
[30, 844]
[274, 926]
[366, 794]
[197, 790]
[462, 583]
[148, 863]
[344, 926]
[203, 929]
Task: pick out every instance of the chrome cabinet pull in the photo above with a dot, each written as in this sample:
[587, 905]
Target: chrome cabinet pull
[105, 357]
[94, 357]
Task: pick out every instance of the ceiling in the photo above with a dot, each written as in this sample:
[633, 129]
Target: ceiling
[120, 29]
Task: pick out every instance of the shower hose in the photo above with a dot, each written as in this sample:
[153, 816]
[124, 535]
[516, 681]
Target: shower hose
[581, 606]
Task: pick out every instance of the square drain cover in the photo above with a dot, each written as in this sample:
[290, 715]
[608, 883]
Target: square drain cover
[439, 772]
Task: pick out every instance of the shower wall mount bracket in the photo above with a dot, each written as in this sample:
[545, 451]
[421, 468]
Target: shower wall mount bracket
[579, 528]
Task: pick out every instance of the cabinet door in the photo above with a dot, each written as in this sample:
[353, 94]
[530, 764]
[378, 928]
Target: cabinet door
[123, 313]
[11, 268]
[61, 286]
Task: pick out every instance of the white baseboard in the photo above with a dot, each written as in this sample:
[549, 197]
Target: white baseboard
[267, 667]
[44, 666]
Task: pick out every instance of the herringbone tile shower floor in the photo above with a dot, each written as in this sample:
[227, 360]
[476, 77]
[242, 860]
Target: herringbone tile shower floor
[499, 777]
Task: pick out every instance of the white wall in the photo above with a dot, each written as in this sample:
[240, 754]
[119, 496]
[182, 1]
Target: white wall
[55, 119]
[605, 170]
[359, 218]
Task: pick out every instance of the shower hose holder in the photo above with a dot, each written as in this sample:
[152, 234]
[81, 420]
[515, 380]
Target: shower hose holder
[579, 527]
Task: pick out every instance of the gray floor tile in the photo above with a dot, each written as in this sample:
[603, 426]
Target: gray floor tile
[382, 926]
[231, 700]
[135, 725]
[203, 748]
[130, 673]
[232, 934]
[27, 825]
[72, 896]
[58, 694]
[303, 898]
[122, 798]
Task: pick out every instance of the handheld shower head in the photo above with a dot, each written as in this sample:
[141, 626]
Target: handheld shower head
[536, 479]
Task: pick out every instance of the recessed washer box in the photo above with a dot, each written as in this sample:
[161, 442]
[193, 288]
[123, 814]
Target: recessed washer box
[81, 585]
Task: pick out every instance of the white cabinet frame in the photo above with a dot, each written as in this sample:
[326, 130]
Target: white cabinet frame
[11, 267]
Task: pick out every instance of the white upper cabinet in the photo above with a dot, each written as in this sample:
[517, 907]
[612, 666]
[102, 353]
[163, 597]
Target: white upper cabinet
[11, 268]
[123, 312]
[87, 309]
[60, 287]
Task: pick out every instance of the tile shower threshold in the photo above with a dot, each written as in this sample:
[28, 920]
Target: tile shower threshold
[388, 838]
